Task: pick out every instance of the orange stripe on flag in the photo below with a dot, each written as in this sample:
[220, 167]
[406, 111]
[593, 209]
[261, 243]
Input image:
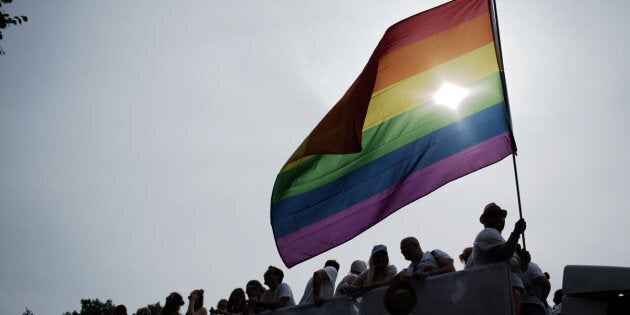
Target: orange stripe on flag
[425, 54]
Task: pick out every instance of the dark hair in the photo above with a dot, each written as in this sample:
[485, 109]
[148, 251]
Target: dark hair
[277, 271]
[463, 257]
[199, 303]
[255, 284]
[557, 296]
[332, 263]
[175, 299]
[120, 310]
[224, 301]
[232, 307]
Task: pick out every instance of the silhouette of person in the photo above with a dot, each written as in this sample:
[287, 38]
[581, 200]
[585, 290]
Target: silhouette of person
[380, 272]
[322, 284]
[423, 264]
[279, 294]
[195, 303]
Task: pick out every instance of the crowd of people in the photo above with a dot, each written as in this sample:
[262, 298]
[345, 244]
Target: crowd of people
[530, 284]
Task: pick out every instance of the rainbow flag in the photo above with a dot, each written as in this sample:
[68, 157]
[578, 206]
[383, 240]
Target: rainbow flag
[390, 140]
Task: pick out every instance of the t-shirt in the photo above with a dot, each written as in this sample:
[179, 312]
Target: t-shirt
[428, 261]
[391, 269]
[283, 290]
[487, 239]
[533, 272]
[326, 288]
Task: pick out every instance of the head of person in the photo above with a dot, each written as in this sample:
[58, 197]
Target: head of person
[197, 295]
[379, 260]
[119, 310]
[379, 257]
[332, 263]
[222, 304]
[236, 301]
[557, 296]
[273, 277]
[144, 311]
[174, 301]
[463, 257]
[254, 289]
[357, 267]
[410, 248]
[493, 216]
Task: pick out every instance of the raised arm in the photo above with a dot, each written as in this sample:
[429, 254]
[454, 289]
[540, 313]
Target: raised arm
[506, 250]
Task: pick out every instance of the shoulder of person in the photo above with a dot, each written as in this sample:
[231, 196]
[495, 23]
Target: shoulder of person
[438, 253]
[534, 270]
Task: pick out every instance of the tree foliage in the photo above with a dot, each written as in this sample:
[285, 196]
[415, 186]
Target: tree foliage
[154, 308]
[7, 20]
[94, 307]
[28, 312]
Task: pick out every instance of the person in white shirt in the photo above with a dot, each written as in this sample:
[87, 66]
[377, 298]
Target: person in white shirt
[279, 294]
[538, 287]
[322, 285]
[356, 268]
[490, 247]
[423, 264]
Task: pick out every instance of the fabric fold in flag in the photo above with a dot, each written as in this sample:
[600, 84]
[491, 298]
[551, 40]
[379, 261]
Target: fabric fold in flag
[390, 140]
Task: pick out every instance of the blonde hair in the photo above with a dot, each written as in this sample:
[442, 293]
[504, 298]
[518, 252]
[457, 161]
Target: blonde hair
[371, 275]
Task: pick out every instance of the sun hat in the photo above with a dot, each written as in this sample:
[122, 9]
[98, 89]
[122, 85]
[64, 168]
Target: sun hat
[400, 298]
[492, 208]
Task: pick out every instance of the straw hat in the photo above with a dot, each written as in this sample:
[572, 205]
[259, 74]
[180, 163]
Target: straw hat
[400, 298]
[492, 208]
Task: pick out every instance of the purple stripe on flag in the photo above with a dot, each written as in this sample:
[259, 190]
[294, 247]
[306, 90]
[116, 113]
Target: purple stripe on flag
[345, 225]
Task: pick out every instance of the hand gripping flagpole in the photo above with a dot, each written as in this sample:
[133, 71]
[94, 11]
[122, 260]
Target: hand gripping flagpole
[497, 41]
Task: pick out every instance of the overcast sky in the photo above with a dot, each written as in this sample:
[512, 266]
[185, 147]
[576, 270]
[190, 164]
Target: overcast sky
[140, 140]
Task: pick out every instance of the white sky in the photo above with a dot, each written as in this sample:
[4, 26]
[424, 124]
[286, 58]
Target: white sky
[139, 142]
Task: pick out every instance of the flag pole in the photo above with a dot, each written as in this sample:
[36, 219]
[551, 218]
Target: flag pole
[497, 41]
[518, 195]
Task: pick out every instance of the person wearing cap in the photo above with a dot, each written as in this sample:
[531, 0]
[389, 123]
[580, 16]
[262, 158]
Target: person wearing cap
[357, 267]
[279, 294]
[423, 264]
[490, 247]
[380, 272]
[322, 285]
